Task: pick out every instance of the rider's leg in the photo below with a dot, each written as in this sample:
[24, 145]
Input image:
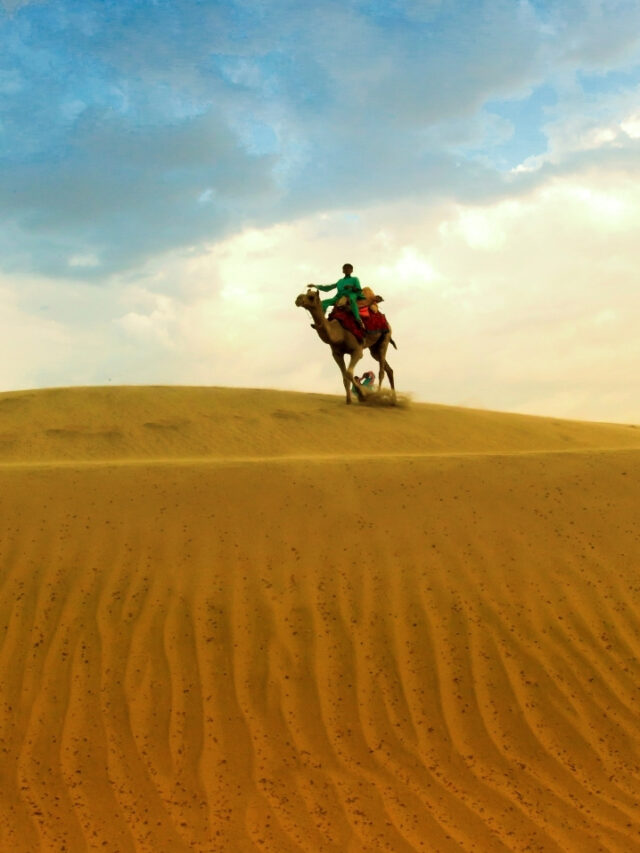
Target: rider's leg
[354, 308]
[327, 302]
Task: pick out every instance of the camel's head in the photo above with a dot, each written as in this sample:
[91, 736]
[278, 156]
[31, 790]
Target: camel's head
[308, 300]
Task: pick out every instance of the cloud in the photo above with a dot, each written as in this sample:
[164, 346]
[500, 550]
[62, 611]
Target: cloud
[35, 348]
[176, 173]
[526, 304]
[134, 128]
[119, 192]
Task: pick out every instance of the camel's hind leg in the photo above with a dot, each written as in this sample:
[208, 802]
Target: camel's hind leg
[380, 355]
[389, 372]
[385, 367]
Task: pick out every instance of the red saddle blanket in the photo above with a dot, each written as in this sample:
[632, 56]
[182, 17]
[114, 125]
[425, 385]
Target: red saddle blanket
[373, 321]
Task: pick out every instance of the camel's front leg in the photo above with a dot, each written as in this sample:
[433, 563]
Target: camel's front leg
[347, 373]
[339, 360]
[355, 358]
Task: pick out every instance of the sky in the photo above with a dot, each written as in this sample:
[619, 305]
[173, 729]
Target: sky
[174, 172]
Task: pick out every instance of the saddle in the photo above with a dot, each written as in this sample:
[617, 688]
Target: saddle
[369, 302]
[373, 322]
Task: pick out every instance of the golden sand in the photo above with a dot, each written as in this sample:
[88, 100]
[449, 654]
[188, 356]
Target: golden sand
[236, 620]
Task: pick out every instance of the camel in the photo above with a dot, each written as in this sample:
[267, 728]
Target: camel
[344, 343]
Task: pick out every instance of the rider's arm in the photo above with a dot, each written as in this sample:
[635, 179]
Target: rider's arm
[326, 286]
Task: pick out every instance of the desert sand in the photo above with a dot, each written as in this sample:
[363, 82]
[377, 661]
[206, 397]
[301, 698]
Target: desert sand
[242, 620]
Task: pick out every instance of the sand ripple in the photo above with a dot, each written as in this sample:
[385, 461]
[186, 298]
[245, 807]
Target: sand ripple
[421, 654]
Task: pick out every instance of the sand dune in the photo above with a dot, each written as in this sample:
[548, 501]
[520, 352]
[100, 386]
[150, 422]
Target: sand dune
[236, 620]
[176, 423]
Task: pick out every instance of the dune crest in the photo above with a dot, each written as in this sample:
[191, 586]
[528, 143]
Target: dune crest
[223, 630]
[171, 422]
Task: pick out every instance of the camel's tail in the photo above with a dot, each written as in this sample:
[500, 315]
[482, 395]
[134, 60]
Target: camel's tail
[391, 341]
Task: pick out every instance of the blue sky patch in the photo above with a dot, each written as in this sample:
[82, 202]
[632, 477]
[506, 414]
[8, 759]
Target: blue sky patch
[118, 116]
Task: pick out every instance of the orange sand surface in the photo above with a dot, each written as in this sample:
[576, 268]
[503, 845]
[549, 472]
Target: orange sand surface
[241, 620]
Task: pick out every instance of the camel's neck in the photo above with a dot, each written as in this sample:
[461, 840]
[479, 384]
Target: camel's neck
[322, 325]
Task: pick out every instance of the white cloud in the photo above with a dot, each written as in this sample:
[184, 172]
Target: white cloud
[541, 318]
[83, 261]
[631, 125]
[196, 122]
[582, 126]
[31, 343]
[480, 229]
[157, 325]
[411, 271]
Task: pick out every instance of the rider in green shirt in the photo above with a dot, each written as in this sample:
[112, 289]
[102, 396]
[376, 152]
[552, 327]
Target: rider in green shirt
[348, 286]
